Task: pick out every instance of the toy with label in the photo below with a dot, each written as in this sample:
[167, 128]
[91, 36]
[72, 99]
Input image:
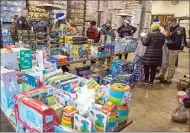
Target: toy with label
[9, 60]
[9, 87]
[25, 59]
[98, 119]
[111, 110]
[119, 94]
[62, 97]
[67, 116]
[122, 112]
[33, 115]
[58, 109]
[62, 129]
[82, 124]
[29, 82]
[44, 95]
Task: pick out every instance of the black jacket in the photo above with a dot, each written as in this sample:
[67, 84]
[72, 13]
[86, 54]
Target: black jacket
[153, 54]
[176, 38]
[22, 24]
[126, 31]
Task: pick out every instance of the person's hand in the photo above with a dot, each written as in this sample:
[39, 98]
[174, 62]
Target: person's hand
[143, 34]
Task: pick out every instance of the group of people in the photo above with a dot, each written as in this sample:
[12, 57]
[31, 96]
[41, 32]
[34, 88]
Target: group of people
[154, 41]
[125, 30]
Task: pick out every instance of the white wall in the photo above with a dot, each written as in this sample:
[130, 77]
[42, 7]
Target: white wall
[166, 7]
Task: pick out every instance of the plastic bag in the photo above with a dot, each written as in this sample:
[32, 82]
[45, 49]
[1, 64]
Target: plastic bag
[179, 115]
[165, 56]
[140, 51]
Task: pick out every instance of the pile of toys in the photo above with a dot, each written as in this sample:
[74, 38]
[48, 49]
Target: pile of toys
[37, 13]
[53, 101]
[123, 72]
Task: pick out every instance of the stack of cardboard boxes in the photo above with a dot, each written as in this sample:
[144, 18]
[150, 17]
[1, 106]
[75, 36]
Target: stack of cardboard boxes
[146, 16]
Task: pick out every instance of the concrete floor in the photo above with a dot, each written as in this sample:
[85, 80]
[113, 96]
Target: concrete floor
[150, 107]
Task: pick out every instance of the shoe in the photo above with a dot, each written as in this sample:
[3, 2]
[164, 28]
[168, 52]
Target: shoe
[165, 82]
[159, 78]
[145, 82]
[151, 83]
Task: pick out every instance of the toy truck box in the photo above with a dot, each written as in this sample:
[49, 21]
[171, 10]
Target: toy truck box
[34, 116]
[33, 112]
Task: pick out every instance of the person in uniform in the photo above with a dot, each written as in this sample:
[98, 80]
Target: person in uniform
[126, 30]
[13, 29]
[22, 22]
[175, 45]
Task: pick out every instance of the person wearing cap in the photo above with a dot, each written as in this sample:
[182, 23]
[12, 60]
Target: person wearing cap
[175, 43]
[61, 23]
[152, 58]
[107, 30]
[126, 30]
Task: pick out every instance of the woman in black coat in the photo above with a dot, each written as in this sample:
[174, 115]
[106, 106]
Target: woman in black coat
[153, 54]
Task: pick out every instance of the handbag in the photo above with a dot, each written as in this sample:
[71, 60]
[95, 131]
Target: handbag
[140, 51]
[165, 57]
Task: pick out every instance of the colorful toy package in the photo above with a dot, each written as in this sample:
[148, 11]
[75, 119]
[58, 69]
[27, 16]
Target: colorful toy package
[82, 124]
[119, 94]
[111, 111]
[9, 87]
[68, 116]
[98, 119]
[25, 59]
[34, 116]
[9, 60]
[44, 95]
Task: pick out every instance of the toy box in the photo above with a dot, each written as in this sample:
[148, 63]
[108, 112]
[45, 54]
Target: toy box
[119, 94]
[122, 113]
[82, 124]
[30, 82]
[111, 111]
[25, 59]
[9, 87]
[44, 95]
[34, 116]
[99, 120]
[63, 129]
[9, 60]
[68, 116]
[58, 109]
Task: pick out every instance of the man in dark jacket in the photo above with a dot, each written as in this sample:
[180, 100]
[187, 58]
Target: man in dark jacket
[22, 22]
[175, 43]
[107, 30]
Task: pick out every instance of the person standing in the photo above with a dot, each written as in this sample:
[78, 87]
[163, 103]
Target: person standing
[126, 30]
[22, 22]
[92, 33]
[175, 45]
[107, 30]
[13, 29]
[60, 25]
[153, 54]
